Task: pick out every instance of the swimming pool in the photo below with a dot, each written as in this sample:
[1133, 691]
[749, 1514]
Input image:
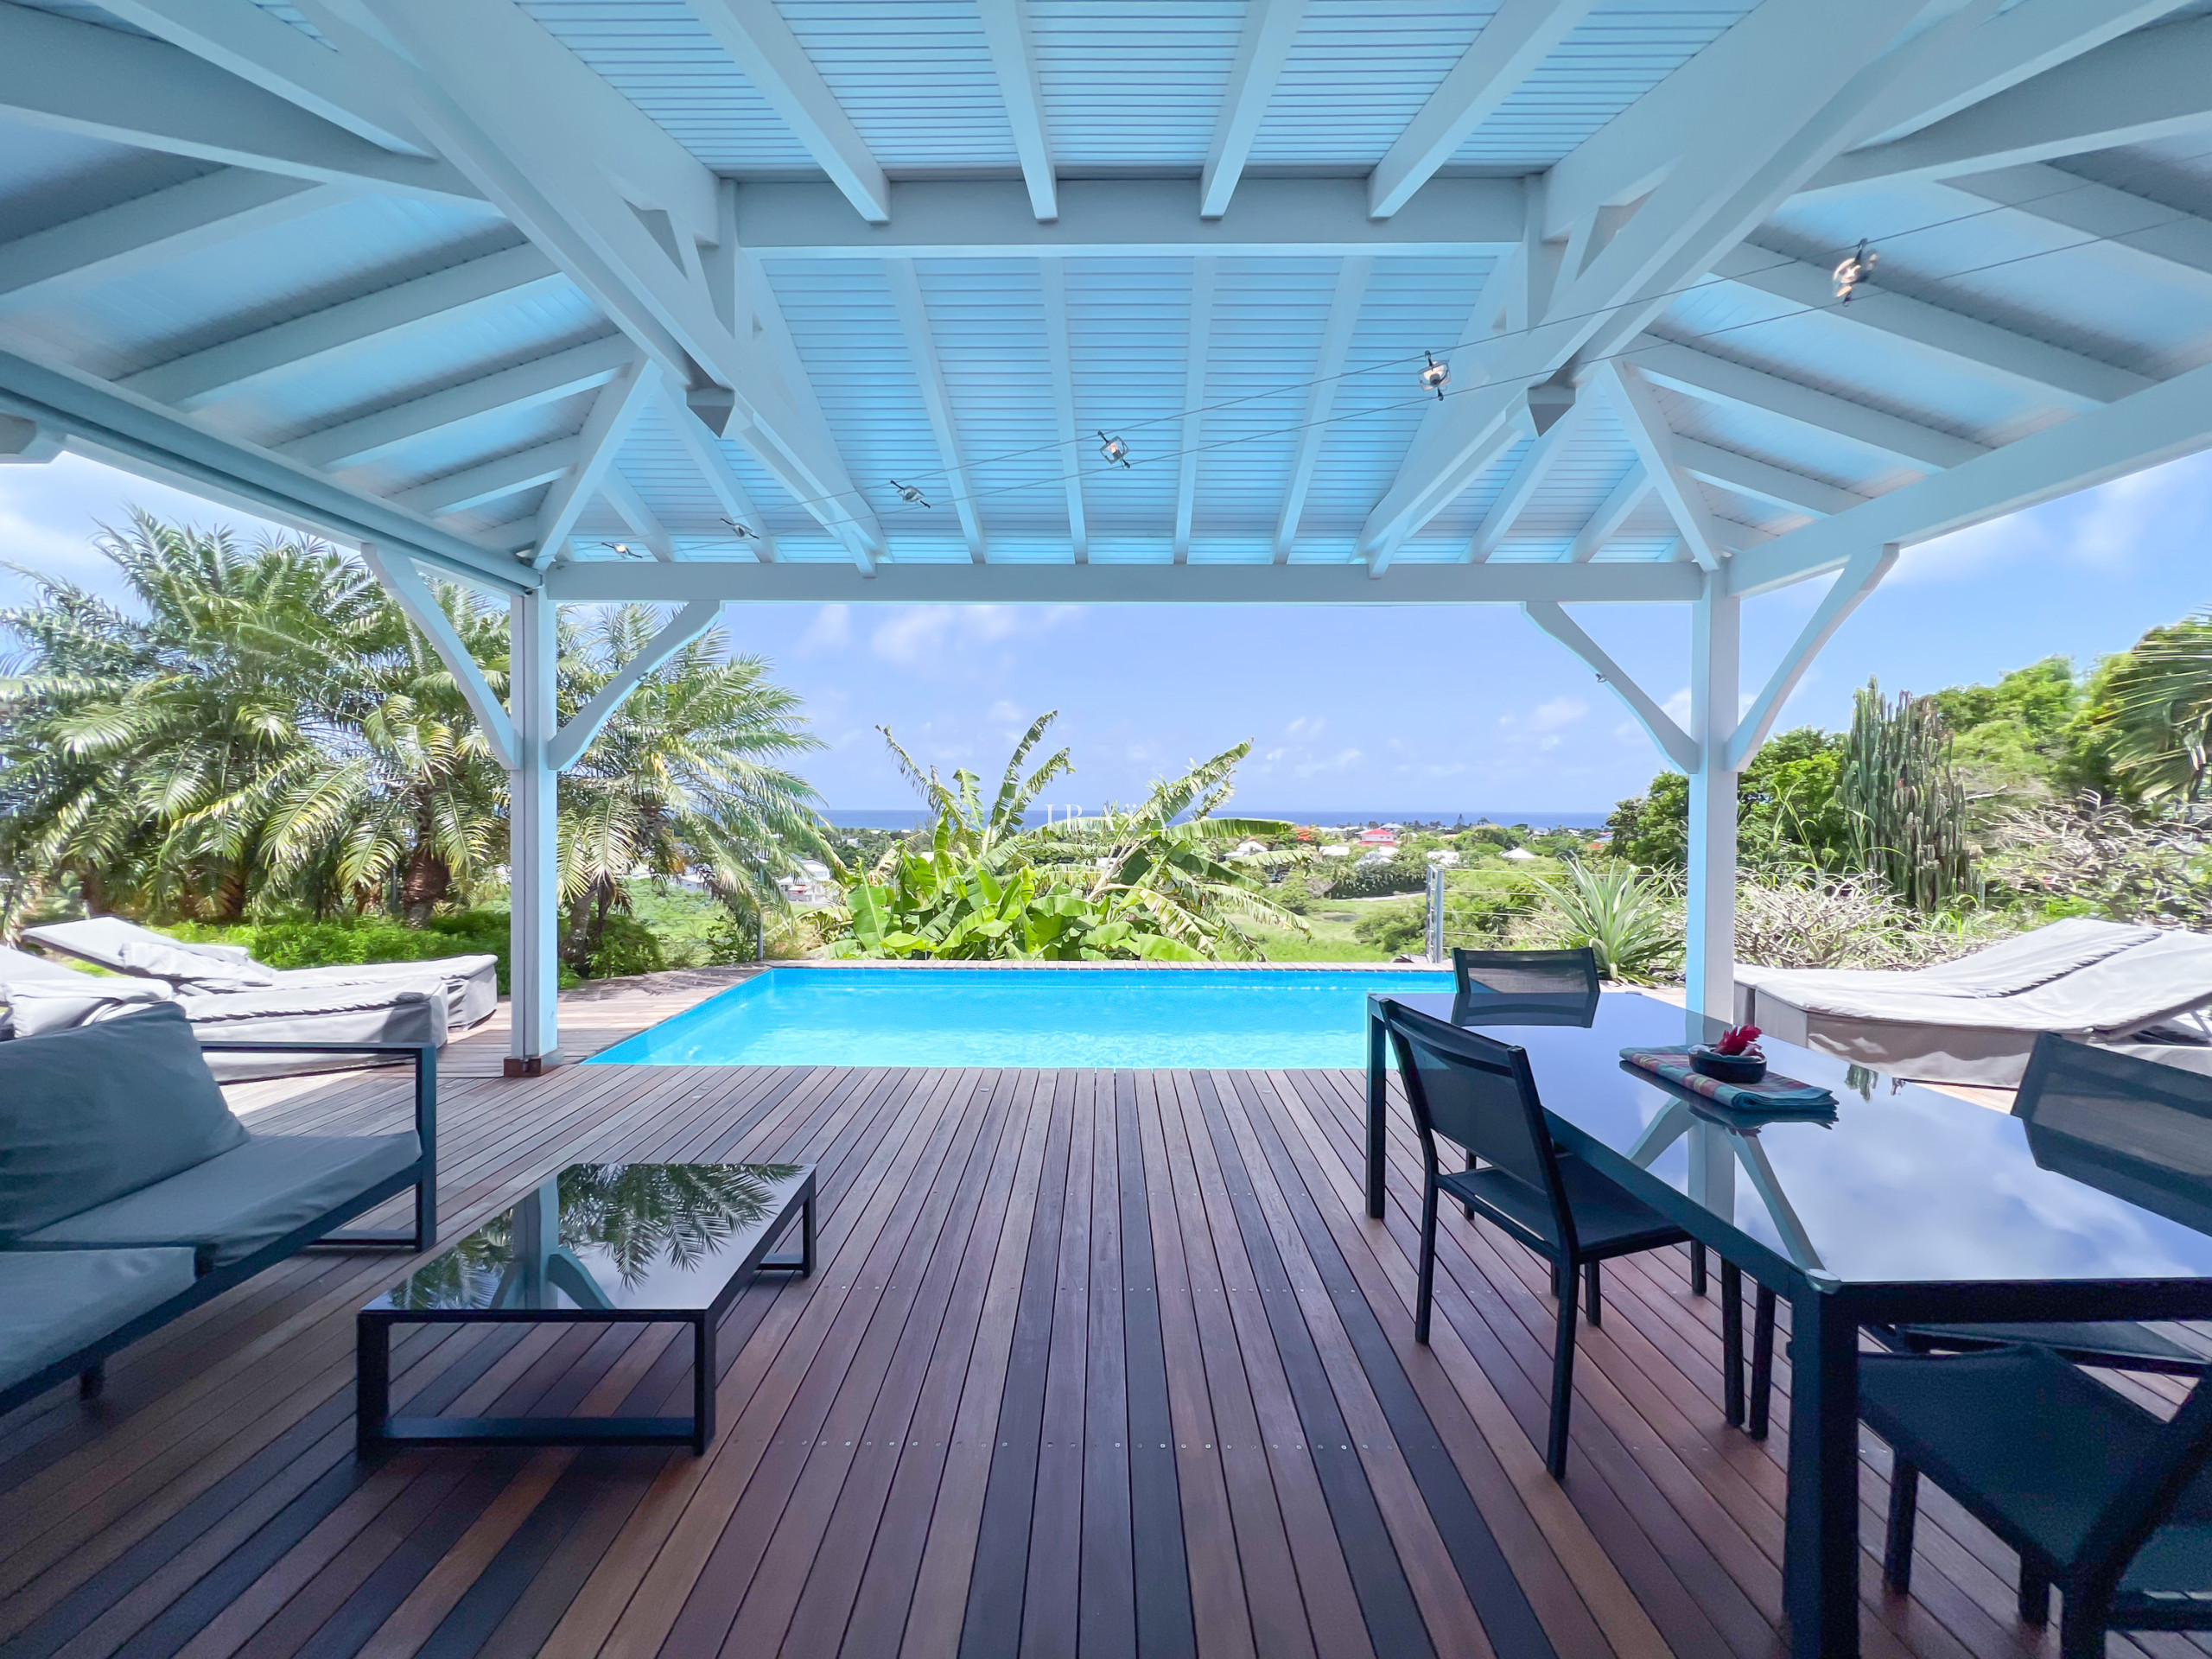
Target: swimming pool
[1233, 1017]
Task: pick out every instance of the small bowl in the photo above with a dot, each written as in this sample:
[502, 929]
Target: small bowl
[1727, 1068]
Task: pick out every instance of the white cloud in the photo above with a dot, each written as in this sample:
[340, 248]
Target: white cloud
[1008, 714]
[829, 635]
[1559, 712]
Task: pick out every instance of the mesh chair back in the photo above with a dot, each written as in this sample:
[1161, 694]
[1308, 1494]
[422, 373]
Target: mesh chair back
[1477, 1092]
[1525, 987]
[2131, 1127]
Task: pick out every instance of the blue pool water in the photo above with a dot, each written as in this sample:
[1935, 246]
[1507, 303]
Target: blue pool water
[1238, 1018]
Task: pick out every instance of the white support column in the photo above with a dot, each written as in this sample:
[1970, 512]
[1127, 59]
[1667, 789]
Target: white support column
[533, 839]
[1709, 972]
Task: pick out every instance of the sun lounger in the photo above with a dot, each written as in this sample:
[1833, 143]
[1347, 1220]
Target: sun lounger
[1967, 1027]
[471, 982]
[2006, 969]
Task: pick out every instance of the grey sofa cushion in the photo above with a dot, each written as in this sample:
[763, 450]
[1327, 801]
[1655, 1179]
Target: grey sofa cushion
[90, 1115]
[43, 996]
[54, 1302]
[230, 1206]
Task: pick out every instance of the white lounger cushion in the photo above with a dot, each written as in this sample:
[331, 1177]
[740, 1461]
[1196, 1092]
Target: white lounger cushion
[2005, 969]
[111, 942]
[54, 1302]
[471, 982]
[43, 995]
[412, 1010]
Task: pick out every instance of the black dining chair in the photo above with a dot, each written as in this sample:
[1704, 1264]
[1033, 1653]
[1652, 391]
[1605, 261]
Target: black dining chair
[1528, 986]
[2101, 1499]
[1478, 1093]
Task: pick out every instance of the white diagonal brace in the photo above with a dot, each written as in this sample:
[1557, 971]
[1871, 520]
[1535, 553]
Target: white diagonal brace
[1536, 463]
[1053, 289]
[2169, 245]
[1321, 394]
[1519, 35]
[567, 747]
[1196, 343]
[705, 451]
[1852, 584]
[1013, 56]
[1761, 481]
[413, 595]
[756, 36]
[1270, 28]
[148, 231]
[613, 412]
[1671, 739]
[645, 524]
[921, 349]
[1654, 442]
[350, 327]
[1616, 510]
[525, 469]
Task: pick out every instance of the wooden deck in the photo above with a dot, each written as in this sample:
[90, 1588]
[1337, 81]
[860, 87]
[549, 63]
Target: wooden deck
[1095, 1363]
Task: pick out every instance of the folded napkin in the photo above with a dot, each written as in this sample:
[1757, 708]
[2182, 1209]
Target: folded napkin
[1771, 1095]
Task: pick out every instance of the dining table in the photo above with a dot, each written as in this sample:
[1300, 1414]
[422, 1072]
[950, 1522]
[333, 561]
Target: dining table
[1905, 1204]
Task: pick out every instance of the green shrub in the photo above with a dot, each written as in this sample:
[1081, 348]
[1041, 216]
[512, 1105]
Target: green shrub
[1399, 875]
[627, 946]
[1394, 930]
[352, 941]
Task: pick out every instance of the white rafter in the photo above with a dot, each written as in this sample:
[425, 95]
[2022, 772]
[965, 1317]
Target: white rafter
[1270, 29]
[1654, 442]
[148, 231]
[491, 480]
[929, 375]
[567, 746]
[1519, 35]
[645, 524]
[1616, 510]
[1196, 345]
[704, 450]
[1677, 744]
[371, 322]
[1321, 394]
[413, 595]
[755, 34]
[1852, 584]
[613, 412]
[1053, 289]
[1761, 481]
[1013, 56]
[1536, 463]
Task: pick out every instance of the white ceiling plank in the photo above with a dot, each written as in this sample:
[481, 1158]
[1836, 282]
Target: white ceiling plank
[545, 381]
[149, 230]
[613, 412]
[1700, 374]
[101, 83]
[1013, 56]
[1320, 395]
[1535, 465]
[1605, 524]
[921, 351]
[1052, 287]
[371, 322]
[1196, 343]
[1951, 339]
[2169, 244]
[1654, 442]
[705, 452]
[1270, 29]
[756, 36]
[1761, 481]
[1519, 35]
[645, 524]
[508, 475]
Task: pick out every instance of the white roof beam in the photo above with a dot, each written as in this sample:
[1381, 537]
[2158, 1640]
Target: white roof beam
[1678, 745]
[508, 475]
[1616, 510]
[1519, 35]
[1270, 28]
[1761, 481]
[1654, 442]
[101, 83]
[2168, 244]
[2172, 419]
[149, 230]
[545, 381]
[929, 374]
[645, 524]
[1949, 338]
[2155, 84]
[1698, 374]
[1321, 396]
[567, 746]
[1536, 463]
[756, 35]
[704, 450]
[1052, 287]
[1013, 56]
[369, 323]
[1196, 343]
[613, 412]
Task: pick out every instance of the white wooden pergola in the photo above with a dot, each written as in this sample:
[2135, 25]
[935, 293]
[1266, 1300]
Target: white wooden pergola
[578, 301]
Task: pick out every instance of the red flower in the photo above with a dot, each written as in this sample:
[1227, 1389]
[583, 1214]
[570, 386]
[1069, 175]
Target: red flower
[1738, 1040]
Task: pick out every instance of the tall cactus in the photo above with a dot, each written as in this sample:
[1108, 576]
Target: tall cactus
[1906, 811]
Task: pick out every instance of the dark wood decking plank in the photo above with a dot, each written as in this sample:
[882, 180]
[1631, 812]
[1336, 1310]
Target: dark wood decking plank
[1106, 1620]
[1052, 1593]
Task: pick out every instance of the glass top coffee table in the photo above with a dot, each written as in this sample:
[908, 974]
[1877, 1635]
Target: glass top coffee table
[596, 1244]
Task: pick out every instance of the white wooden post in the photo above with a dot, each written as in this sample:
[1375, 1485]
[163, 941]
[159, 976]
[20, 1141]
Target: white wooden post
[533, 853]
[1716, 628]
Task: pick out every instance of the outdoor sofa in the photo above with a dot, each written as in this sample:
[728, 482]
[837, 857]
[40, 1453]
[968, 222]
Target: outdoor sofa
[1976, 1020]
[129, 1194]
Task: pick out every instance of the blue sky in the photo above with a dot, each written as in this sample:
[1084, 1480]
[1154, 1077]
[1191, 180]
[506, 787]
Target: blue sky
[1463, 709]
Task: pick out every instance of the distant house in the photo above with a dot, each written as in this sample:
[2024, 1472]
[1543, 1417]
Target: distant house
[1517, 853]
[1336, 850]
[1249, 848]
[1446, 859]
[1381, 835]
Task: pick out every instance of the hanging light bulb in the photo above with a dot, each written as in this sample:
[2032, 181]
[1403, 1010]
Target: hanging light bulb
[1115, 452]
[909, 494]
[1433, 374]
[743, 532]
[1852, 269]
[621, 549]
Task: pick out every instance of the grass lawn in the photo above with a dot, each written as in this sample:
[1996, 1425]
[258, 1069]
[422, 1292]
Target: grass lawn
[1331, 921]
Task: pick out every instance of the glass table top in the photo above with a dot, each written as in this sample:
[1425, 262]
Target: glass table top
[1906, 1186]
[608, 1237]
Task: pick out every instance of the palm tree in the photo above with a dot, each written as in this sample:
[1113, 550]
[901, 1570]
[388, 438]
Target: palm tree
[2159, 706]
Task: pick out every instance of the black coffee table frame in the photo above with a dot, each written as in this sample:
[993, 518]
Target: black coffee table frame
[379, 1430]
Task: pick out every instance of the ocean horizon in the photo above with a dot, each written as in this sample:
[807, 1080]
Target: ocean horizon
[1535, 818]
